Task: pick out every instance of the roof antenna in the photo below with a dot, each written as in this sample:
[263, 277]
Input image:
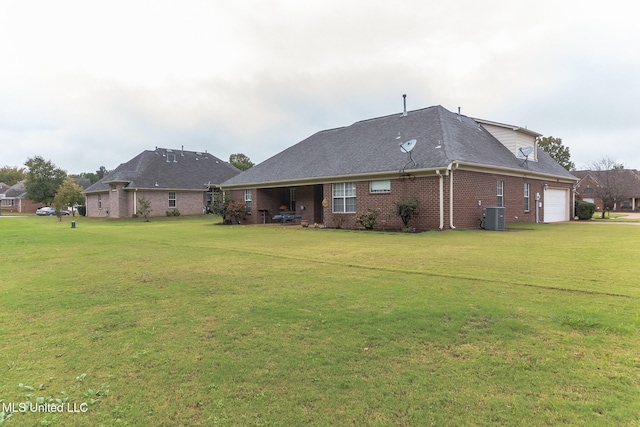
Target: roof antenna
[404, 113]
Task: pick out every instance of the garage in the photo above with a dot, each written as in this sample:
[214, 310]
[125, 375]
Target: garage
[556, 205]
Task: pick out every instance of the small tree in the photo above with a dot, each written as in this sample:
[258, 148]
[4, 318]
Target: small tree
[219, 203]
[406, 209]
[613, 185]
[69, 194]
[144, 208]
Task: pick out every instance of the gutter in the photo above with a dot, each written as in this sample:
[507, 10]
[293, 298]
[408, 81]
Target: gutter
[450, 171]
[441, 194]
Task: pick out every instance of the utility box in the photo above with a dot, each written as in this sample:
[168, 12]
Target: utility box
[493, 218]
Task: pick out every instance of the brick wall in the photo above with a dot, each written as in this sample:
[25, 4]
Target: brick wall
[120, 204]
[470, 189]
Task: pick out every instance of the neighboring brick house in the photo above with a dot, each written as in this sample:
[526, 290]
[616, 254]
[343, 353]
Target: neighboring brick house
[622, 181]
[457, 166]
[172, 180]
[15, 200]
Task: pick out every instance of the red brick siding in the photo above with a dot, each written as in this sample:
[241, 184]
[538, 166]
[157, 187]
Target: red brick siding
[469, 188]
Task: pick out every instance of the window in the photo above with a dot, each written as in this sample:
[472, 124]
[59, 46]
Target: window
[292, 199]
[247, 199]
[526, 197]
[172, 199]
[99, 201]
[344, 197]
[380, 186]
[588, 191]
[500, 194]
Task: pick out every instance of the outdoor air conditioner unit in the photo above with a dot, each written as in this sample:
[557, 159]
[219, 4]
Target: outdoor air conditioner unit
[493, 217]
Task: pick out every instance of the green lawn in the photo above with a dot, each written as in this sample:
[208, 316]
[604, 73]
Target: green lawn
[182, 322]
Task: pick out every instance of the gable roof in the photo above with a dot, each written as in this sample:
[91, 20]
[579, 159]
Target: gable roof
[17, 191]
[627, 179]
[372, 147]
[168, 169]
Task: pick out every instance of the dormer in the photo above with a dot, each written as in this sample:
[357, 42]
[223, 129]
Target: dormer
[520, 141]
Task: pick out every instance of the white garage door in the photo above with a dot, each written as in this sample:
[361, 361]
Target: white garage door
[556, 203]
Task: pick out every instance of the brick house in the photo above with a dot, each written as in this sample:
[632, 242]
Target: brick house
[454, 164]
[15, 199]
[623, 182]
[172, 180]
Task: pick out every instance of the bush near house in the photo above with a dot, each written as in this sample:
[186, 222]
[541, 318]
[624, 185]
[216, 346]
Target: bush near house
[585, 210]
[406, 209]
[236, 211]
[368, 219]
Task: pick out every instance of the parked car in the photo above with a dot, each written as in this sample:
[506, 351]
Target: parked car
[47, 210]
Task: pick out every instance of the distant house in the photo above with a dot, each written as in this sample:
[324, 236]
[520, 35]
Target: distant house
[624, 182]
[454, 164]
[14, 199]
[172, 180]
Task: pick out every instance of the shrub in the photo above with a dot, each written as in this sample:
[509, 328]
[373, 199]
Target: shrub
[174, 212]
[406, 209]
[368, 219]
[236, 211]
[338, 220]
[585, 210]
[82, 210]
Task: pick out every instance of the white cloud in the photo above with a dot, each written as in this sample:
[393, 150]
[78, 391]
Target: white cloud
[88, 84]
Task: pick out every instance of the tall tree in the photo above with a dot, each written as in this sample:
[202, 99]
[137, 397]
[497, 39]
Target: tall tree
[69, 194]
[241, 161]
[43, 180]
[555, 148]
[11, 175]
[613, 182]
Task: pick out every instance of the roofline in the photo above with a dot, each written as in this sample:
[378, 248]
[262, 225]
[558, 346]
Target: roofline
[476, 167]
[503, 125]
[194, 190]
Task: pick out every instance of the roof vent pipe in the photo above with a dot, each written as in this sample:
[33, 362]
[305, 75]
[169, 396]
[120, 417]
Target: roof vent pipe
[182, 151]
[404, 113]
[459, 118]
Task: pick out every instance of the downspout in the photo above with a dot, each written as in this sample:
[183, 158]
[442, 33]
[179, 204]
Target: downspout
[450, 170]
[135, 201]
[441, 199]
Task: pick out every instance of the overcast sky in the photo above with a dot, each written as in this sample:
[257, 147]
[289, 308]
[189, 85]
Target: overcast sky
[88, 84]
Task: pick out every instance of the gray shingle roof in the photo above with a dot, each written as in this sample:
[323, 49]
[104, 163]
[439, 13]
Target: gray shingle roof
[169, 169]
[372, 146]
[17, 191]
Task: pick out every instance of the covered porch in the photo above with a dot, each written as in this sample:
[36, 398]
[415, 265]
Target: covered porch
[291, 204]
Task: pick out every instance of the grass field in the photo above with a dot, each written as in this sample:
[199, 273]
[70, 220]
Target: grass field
[182, 322]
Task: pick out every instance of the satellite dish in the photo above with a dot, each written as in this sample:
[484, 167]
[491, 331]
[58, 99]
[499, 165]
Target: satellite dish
[526, 151]
[408, 145]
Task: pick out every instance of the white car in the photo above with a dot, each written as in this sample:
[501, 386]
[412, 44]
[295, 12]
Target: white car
[46, 211]
[49, 211]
